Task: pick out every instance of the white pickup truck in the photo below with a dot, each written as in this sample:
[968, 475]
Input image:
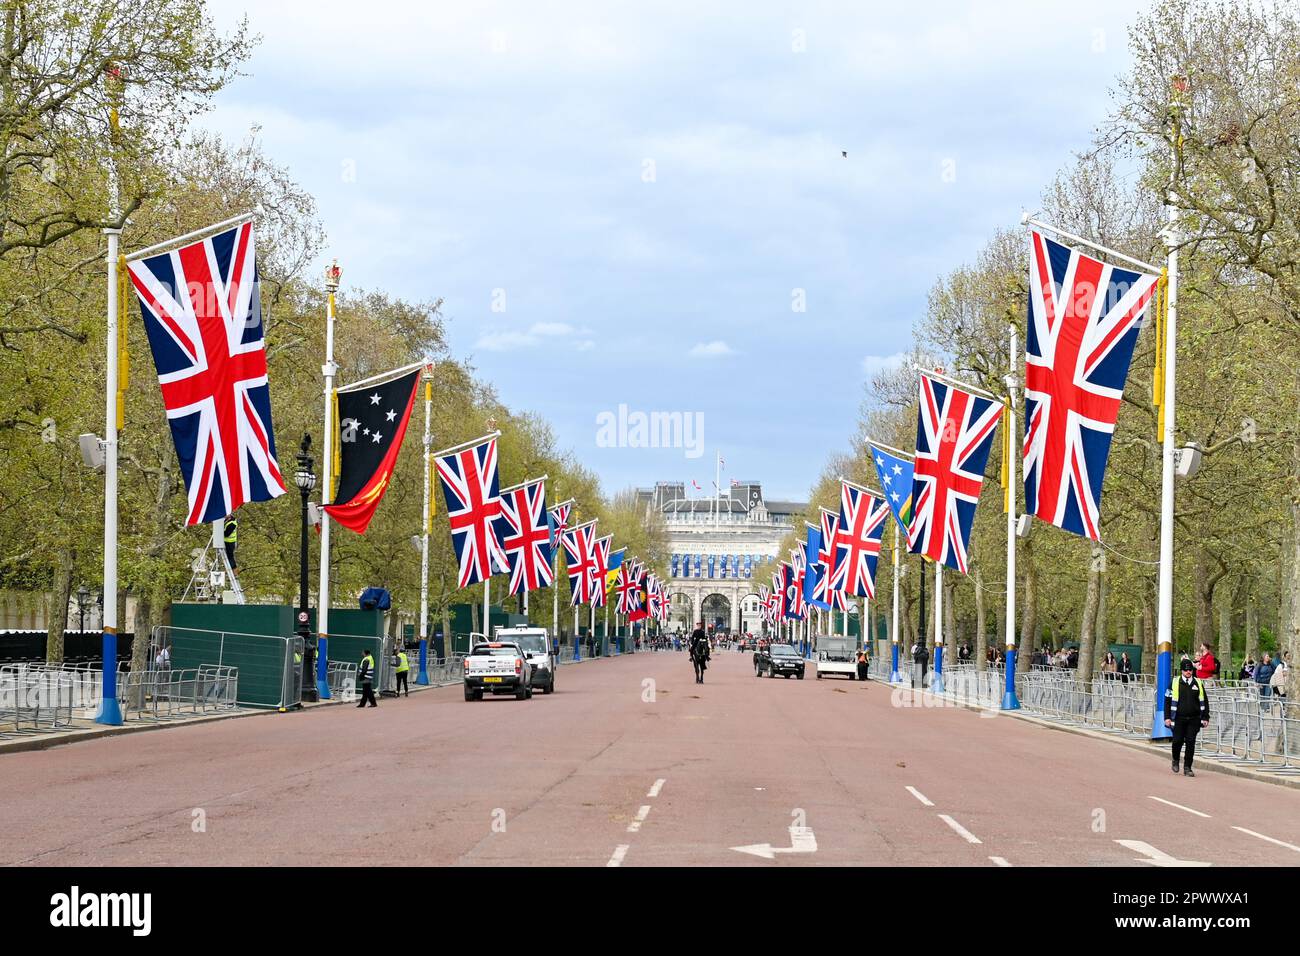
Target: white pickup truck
[498, 667]
[536, 645]
[836, 655]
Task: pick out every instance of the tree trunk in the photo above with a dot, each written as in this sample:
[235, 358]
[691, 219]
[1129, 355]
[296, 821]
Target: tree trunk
[1252, 624]
[981, 636]
[1088, 627]
[1148, 635]
[1203, 589]
[1103, 616]
[57, 614]
[1225, 636]
[1029, 615]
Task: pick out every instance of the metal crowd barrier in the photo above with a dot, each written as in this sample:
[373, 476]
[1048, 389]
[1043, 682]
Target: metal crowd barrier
[35, 698]
[166, 693]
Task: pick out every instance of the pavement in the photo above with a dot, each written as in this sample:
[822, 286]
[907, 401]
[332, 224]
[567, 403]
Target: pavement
[631, 763]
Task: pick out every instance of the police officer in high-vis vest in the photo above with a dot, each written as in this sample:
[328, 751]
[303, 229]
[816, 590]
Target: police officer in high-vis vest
[403, 667]
[1187, 710]
[366, 675]
[231, 536]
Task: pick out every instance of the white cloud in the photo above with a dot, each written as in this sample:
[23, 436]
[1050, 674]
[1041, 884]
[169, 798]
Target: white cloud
[712, 349]
[873, 365]
[506, 341]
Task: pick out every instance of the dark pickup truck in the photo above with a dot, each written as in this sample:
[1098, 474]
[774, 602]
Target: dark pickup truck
[779, 659]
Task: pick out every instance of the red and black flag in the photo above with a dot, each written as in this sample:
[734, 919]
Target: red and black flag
[371, 421]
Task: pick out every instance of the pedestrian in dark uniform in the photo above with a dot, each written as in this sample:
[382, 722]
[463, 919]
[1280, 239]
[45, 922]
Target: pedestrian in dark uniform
[230, 537]
[366, 674]
[1187, 710]
[864, 666]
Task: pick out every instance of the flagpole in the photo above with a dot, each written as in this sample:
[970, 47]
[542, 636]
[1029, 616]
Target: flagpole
[109, 711]
[423, 676]
[1009, 699]
[1165, 619]
[894, 676]
[936, 682]
[329, 370]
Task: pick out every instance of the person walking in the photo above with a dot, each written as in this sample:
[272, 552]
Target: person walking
[1110, 666]
[366, 675]
[864, 665]
[1187, 710]
[403, 670]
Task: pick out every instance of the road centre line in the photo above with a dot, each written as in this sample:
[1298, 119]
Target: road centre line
[620, 851]
[641, 814]
[1000, 861]
[1289, 846]
[654, 791]
[960, 830]
[920, 796]
[1178, 805]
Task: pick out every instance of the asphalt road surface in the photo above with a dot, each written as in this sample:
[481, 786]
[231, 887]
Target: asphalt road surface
[632, 763]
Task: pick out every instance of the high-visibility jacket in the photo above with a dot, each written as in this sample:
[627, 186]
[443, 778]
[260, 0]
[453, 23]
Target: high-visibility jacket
[366, 671]
[1171, 699]
[402, 666]
[232, 531]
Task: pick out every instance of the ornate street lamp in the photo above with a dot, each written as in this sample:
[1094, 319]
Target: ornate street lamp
[305, 479]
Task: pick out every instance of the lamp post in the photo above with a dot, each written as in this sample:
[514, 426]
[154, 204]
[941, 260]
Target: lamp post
[83, 595]
[305, 478]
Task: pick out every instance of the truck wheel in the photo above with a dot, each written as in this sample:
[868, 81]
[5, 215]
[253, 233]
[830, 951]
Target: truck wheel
[521, 693]
[549, 688]
[819, 675]
[758, 671]
[850, 675]
[469, 694]
[771, 674]
[801, 675]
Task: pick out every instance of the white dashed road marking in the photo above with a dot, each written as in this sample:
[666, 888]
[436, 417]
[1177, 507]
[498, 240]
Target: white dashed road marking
[920, 796]
[1179, 806]
[1289, 846]
[654, 791]
[959, 829]
[1000, 861]
[641, 814]
[620, 851]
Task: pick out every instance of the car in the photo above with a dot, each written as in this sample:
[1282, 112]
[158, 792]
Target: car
[780, 659]
[498, 667]
[536, 644]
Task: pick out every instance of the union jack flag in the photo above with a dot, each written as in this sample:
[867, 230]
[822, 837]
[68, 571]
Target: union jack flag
[525, 537]
[859, 527]
[954, 432]
[777, 597]
[471, 489]
[627, 590]
[822, 590]
[202, 312]
[792, 577]
[654, 598]
[1084, 319]
[560, 517]
[580, 558]
[600, 570]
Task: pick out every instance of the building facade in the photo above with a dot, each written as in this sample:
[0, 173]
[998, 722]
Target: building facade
[721, 549]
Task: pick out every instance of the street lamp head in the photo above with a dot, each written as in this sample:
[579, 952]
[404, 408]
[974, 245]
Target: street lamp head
[83, 595]
[305, 478]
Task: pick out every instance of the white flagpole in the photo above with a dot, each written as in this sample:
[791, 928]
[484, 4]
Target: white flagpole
[109, 711]
[1009, 699]
[894, 675]
[329, 370]
[423, 676]
[1165, 621]
[936, 679]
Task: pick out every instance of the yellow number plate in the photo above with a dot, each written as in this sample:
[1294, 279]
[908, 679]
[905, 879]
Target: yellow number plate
[491, 680]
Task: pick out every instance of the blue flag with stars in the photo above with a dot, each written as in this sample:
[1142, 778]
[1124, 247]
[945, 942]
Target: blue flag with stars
[895, 474]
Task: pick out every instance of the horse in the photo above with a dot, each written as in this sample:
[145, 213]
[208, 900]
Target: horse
[700, 659]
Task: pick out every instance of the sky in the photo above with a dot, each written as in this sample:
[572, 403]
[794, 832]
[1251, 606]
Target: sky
[652, 208]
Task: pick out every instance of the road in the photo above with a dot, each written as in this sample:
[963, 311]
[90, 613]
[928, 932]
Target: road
[631, 763]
